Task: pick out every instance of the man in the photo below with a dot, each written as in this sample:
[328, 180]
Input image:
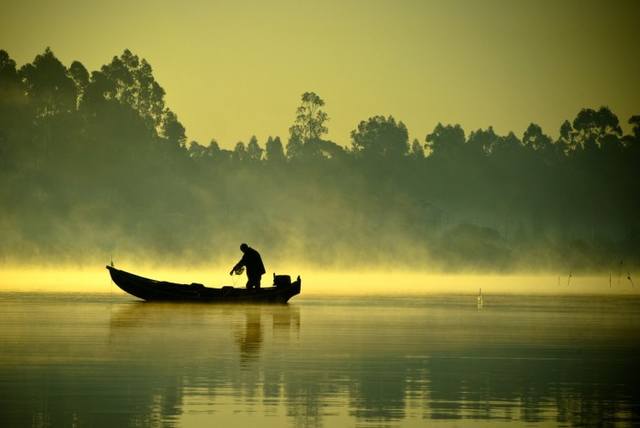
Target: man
[252, 261]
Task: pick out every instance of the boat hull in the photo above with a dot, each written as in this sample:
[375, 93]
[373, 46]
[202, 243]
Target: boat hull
[152, 290]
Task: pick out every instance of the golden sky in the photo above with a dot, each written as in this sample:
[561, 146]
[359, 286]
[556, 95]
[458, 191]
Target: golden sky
[236, 68]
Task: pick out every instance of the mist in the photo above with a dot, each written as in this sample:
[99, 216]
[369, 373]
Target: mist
[95, 167]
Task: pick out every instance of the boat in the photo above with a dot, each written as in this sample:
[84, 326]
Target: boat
[152, 290]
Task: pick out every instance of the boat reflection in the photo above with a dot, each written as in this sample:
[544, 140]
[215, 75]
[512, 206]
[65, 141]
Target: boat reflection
[245, 321]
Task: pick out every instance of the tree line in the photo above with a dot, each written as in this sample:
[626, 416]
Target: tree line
[95, 163]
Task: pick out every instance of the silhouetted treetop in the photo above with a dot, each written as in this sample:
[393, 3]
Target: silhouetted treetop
[600, 122]
[172, 129]
[254, 151]
[445, 141]
[596, 128]
[310, 118]
[635, 121]
[10, 86]
[309, 126]
[130, 81]
[536, 139]
[380, 136]
[274, 150]
[48, 85]
[81, 78]
[240, 152]
[417, 150]
[481, 141]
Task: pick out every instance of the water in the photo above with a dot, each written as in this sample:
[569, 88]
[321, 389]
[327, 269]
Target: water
[108, 360]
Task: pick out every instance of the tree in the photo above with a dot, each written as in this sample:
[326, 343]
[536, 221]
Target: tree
[481, 142]
[214, 149]
[322, 149]
[635, 121]
[380, 136]
[197, 150]
[14, 113]
[129, 81]
[80, 77]
[11, 92]
[239, 152]
[632, 142]
[508, 152]
[216, 153]
[12, 96]
[309, 125]
[565, 140]
[535, 139]
[594, 128]
[48, 85]
[310, 118]
[274, 150]
[173, 130]
[445, 141]
[417, 151]
[254, 151]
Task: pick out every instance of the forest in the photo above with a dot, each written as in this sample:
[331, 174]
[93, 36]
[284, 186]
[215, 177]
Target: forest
[95, 165]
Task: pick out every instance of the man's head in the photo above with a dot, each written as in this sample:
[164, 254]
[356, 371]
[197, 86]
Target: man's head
[243, 247]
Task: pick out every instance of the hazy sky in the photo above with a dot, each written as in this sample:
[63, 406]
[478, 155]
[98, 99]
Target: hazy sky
[235, 68]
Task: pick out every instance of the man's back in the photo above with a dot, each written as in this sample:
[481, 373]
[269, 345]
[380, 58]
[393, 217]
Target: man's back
[253, 262]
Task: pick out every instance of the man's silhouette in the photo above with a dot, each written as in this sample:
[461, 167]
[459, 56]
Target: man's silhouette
[252, 261]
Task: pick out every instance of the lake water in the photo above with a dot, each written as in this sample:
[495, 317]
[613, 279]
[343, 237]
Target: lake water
[109, 360]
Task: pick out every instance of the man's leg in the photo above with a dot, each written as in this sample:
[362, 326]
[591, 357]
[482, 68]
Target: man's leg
[253, 282]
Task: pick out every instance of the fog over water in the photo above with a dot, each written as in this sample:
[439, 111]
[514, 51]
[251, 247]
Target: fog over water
[95, 166]
[324, 282]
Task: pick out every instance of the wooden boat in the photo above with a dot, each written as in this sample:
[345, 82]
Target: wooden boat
[152, 290]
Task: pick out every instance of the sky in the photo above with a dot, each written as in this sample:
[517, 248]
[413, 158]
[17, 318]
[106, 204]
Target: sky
[232, 69]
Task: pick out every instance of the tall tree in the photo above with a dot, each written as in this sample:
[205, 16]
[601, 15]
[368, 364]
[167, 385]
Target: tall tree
[254, 151]
[309, 125]
[274, 150]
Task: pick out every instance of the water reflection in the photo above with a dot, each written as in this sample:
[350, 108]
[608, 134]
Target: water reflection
[319, 363]
[249, 338]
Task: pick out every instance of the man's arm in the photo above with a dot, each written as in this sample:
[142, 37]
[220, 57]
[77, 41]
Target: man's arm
[237, 265]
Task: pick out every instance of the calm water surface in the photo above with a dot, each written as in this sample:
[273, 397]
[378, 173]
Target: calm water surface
[108, 360]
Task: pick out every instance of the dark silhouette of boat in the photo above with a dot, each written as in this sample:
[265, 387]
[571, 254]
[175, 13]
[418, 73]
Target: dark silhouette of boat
[152, 290]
